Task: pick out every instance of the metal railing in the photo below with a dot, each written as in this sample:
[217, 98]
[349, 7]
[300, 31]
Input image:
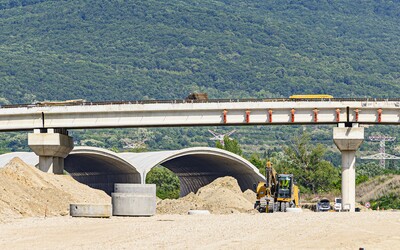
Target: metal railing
[180, 101]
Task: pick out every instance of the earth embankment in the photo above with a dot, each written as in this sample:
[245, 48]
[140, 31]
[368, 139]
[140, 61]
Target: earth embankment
[28, 192]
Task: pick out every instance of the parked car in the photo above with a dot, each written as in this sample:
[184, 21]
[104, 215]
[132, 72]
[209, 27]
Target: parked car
[323, 205]
[338, 205]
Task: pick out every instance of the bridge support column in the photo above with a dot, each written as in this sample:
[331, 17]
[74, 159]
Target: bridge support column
[348, 140]
[52, 146]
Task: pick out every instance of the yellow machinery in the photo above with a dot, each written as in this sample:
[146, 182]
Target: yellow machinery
[277, 193]
[287, 193]
[265, 191]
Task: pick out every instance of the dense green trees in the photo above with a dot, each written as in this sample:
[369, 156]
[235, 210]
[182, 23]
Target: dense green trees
[230, 145]
[306, 162]
[390, 201]
[124, 50]
[167, 183]
[301, 158]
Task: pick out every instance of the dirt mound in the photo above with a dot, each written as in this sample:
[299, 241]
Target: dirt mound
[222, 196]
[378, 187]
[250, 196]
[26, 191]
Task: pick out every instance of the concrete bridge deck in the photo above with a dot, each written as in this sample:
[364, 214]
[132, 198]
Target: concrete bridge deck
[51, 121]
[199, 113]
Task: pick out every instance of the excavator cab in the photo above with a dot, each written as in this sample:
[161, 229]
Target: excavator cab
[285, 184]
[287, 193]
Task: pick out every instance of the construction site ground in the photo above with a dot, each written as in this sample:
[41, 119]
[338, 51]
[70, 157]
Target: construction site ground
[34, 215]
[371, 230]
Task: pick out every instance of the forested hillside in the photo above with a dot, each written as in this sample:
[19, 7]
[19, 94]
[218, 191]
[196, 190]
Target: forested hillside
[126, 50]
[123, 50]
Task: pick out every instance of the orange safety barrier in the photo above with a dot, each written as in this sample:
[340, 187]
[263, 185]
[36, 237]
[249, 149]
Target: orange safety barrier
[292, 114]
[316, 115]
[247, 116]
[379, 115]
[270, 115]
[357, 111]
[338, 115]
[225, 114]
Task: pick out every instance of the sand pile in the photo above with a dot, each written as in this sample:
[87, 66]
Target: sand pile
[250, 196]
[222, 196]
[26, 191]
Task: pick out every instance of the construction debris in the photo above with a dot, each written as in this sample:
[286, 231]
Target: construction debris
[197, 96]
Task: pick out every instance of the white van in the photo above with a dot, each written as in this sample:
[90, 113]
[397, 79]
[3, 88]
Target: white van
[338, 205]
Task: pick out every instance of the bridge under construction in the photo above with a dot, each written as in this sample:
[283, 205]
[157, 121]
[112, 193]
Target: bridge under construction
[51, 121]
[163, 113]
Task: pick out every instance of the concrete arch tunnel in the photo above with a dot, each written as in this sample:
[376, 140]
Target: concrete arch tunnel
[100, 168]
[198, 166]
[195, 167]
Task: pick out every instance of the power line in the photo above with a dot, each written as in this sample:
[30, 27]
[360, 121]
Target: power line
[381, 156]
[220, 137]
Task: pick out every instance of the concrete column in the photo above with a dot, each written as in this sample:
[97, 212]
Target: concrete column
[348, 180]
[51, 147]
[143, 177]
[51, 164]
[348, 140]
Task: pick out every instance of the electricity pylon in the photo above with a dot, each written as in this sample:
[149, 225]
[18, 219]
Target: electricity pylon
[381, 156]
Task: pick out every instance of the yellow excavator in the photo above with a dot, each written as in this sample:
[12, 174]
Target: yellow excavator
[277, 193]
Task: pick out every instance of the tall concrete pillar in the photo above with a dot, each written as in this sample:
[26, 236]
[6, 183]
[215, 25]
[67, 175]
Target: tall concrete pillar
[348, 140]
[52, 146]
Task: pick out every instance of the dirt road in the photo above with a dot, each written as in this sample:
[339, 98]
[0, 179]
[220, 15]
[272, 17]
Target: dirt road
[371, 230]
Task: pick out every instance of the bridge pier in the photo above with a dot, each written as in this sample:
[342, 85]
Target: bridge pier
[348, 140]
[52, 146]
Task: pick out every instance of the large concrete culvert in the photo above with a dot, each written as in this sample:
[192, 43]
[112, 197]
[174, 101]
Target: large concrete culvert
[196, 171]
[197, 167]
[100, 168]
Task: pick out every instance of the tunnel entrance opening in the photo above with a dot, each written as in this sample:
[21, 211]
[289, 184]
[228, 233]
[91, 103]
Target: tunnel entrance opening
[200, 169]
[100, 172]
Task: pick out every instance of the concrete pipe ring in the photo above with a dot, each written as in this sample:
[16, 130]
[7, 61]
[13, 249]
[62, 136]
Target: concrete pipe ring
[294, 210]
[198, 212]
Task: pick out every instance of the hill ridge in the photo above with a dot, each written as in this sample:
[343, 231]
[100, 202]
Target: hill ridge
[100, 50]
